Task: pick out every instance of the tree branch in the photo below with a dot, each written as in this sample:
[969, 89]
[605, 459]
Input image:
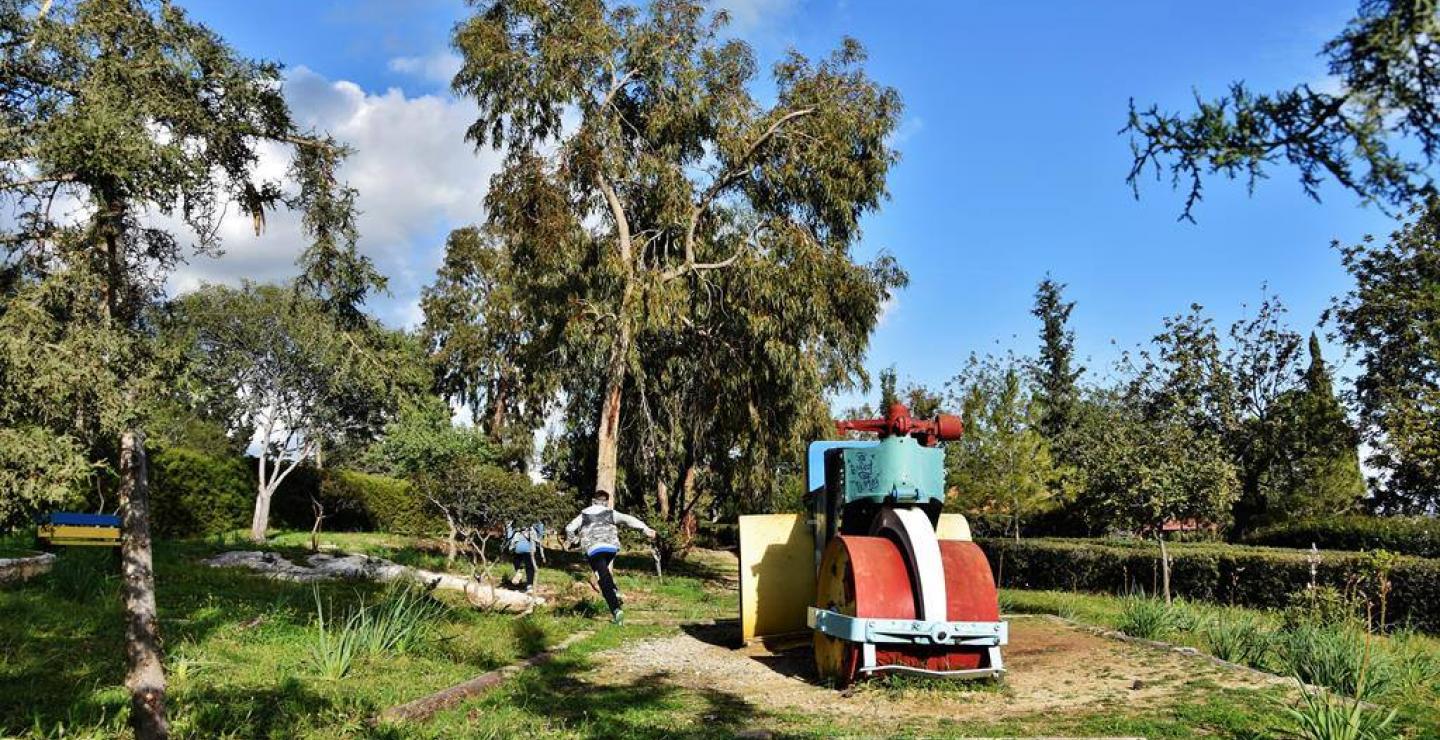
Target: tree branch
[725, 179]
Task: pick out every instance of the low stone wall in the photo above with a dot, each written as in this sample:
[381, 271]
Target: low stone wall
[15, 570]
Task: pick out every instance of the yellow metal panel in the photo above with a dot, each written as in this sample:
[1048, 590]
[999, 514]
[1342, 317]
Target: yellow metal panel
[77, 532]
[86, 543]
[953, 527]
[777, 574]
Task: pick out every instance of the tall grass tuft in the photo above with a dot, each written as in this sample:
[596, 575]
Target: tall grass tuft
[1322, 716]
[1337, 658]
[336, 645]
[402, 621]
[1238, 639]
[1146, 618]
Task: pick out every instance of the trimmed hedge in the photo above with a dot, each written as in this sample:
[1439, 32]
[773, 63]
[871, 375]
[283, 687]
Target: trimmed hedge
[384, 504]
[1419, 536]
[1225, 574]
[196, 493]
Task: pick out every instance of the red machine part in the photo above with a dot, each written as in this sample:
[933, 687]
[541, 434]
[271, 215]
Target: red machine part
[867, 577]
[899, 423]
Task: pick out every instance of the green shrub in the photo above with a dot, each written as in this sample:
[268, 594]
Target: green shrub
[1213, 572]
[376, 502]
[1147, 618]
[195, 493]
[1418, 536]
[1323, 606]
[1238, 639]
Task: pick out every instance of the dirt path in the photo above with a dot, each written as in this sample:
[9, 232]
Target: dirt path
[1052, 667]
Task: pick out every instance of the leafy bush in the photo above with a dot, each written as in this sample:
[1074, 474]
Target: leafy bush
[1418, 535]
[1147, 618]
[384, 504]
[1238, 639]
[1323, 606]
[196, 493]
[1217, 573]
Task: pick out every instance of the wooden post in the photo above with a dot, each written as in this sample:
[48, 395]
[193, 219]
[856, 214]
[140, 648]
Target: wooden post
[146, 674]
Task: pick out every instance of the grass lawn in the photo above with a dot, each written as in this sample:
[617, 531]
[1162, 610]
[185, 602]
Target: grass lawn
[239, 655]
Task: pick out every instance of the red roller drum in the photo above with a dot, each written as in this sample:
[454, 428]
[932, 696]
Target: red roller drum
[868, 577]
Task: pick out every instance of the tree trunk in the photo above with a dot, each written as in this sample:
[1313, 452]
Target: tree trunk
[260, 522]
[146, 674]
[450, 546]
[1164, 567]
[662, 500]
[607, 438]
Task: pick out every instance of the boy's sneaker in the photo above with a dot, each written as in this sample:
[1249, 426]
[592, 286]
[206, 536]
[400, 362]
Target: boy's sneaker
[618, 617]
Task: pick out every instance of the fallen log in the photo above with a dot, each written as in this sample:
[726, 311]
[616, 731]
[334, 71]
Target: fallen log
[328, 567]
[426, 706]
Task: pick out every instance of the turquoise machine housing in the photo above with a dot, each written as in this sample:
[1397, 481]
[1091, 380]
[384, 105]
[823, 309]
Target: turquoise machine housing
[850, 481]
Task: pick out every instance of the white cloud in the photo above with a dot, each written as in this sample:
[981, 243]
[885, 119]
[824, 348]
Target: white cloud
[751, 15]
[888, 307]
[416, 176]
[438, 67]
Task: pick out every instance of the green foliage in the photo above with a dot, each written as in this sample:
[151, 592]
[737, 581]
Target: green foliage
[383, 504]
[1213, 572]
[476, 325]
[1146, 617]
[198, 493]
[1054, 372]
[1391, 318]
[478, 499]
[423, 439]
[1001, 469]
[39, 472]
[1315, 469]
[1239, 639]
[1375, 130]
[1419, 535]
[1323, 606]
[131, 112]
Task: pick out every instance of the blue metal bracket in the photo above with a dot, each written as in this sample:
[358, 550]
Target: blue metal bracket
[870, 632]
[907, 631]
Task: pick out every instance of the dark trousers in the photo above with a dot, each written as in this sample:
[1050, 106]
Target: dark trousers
[600, 563]
[525, 561]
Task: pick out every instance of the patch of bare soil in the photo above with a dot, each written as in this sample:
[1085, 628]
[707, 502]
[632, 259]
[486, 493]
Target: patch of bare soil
[1051, 666]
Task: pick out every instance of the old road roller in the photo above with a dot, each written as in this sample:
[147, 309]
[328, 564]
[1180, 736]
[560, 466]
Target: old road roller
[886, 582]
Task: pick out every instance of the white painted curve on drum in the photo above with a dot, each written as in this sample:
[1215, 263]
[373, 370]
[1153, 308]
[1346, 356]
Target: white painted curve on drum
[922, 555]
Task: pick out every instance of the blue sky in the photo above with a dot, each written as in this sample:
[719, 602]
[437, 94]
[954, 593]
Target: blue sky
[1012, 166]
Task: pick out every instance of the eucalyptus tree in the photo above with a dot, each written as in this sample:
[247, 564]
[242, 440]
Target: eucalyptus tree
[1376, 133]
[642, 168]
[128, 129]
[487, 345]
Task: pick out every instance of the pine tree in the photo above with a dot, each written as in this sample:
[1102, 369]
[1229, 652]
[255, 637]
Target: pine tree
[1316, 467]
[1054, 373]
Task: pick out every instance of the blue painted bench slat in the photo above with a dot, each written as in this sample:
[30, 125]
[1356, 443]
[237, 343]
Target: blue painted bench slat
[83, 520]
